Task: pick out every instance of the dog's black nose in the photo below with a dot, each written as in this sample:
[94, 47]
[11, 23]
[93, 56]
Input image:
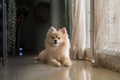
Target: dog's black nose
[55, 41]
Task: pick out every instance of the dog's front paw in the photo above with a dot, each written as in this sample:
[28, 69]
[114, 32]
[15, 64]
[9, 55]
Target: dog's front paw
[55, 63]
[67, 62]
[36, 58]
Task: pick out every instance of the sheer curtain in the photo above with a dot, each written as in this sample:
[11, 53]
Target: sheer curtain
[107, 33]
[78, 38]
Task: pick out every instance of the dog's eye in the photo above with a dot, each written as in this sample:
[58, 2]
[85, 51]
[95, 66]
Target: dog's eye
[53, 37]
[58, 37]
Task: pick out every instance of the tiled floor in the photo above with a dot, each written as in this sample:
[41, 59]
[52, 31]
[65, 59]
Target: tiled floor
[25, 68]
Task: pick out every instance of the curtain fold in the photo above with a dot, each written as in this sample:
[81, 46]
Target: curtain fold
[78, 36]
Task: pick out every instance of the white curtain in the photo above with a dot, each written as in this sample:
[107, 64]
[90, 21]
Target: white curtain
[78, 38]
[107, 27]
[107, 33]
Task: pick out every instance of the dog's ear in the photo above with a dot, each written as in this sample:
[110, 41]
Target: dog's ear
[52, 29]
[63, 30]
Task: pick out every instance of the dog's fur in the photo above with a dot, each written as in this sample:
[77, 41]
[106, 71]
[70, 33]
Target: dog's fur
[57, 47]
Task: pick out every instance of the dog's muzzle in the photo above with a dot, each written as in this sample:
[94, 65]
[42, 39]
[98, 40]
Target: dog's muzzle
[55, 41]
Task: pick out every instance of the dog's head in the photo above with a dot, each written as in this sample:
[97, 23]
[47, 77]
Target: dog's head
[56, 38]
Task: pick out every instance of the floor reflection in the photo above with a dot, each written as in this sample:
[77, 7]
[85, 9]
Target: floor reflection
[26, 69]
[5, 72]
[80, 71]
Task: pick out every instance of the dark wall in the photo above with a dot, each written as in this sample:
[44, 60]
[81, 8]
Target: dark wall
[34, 28]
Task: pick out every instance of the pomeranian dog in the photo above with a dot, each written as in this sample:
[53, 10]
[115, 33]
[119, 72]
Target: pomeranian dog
[57, 47]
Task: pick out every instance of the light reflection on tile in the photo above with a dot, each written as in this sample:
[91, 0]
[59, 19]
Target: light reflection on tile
[26, 69]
